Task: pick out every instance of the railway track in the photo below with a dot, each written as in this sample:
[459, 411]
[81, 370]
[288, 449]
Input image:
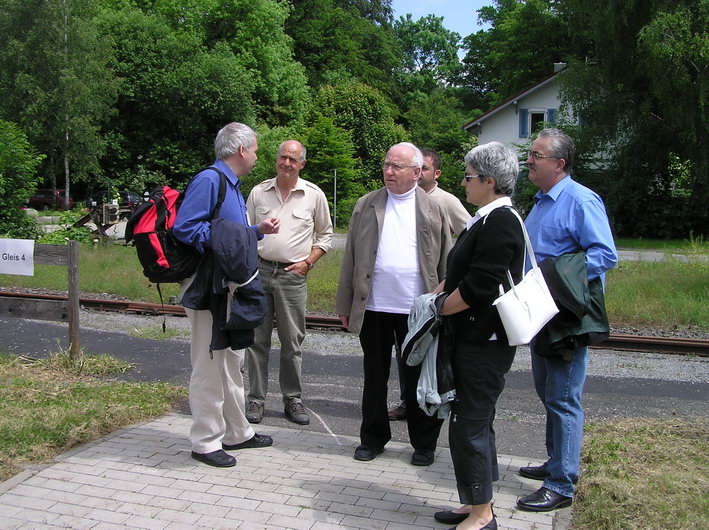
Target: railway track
[674, 345]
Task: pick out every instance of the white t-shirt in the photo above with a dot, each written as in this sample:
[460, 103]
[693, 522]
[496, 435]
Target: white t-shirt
[396, 280]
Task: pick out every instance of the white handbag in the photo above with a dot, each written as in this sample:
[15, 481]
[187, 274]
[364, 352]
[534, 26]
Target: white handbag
[527, 306]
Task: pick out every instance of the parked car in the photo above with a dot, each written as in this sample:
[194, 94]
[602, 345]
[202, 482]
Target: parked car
[46, 199]
[126, 198]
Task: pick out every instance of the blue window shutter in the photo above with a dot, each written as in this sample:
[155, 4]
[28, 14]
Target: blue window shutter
[523, 130]
[551, 115]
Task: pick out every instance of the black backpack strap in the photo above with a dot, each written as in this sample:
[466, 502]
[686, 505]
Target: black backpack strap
[222, 189]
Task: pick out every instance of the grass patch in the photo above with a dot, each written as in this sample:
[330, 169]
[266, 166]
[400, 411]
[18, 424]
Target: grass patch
[48, 406]
[644, 474]
[665, 294]
[691, 244]
[104, 268]
[156, 333]
[322, 282]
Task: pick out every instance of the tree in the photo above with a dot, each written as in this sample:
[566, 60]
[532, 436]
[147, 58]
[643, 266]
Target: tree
[331, 149]
[254, 31]
[430, 52]
[335, 43]
[18, 180]
[643, 98]
[524, 40]
[369, 117]
[56, 83]
[177, 94]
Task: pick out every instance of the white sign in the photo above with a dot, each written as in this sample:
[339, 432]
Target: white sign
[17, 256]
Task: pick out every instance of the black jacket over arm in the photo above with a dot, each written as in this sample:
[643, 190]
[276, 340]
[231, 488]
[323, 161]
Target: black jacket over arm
[477, 265]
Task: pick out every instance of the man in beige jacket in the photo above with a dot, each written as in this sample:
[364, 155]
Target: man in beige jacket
[396, 249]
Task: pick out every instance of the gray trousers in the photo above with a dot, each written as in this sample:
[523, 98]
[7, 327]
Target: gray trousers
[286, 298]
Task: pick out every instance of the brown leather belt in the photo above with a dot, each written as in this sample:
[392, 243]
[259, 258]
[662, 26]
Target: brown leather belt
[275, 264]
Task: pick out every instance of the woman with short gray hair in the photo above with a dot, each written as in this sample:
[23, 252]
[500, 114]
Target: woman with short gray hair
[492, 244]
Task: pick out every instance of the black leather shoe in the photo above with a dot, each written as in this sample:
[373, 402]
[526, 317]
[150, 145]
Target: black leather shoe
[534, 472]
[543, 500]
[423, 457]
[397, 413]
[364, 453]
[257, 440]
[254, 412]
[216, 458]
[450, 517]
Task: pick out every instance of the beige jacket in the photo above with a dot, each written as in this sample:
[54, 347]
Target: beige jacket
[433, 240]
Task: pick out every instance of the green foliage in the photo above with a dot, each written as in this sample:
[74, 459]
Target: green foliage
[333, 42]
[56, 83]
[18, 180]
[642, 96]
[519, 49]
[331, 149]
[369, 117]
[430, 52]
[178, 94]
[253, 31]
[434, 121]
[68, 232]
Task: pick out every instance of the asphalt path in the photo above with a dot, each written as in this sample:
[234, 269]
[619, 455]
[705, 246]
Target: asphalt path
[619, 385]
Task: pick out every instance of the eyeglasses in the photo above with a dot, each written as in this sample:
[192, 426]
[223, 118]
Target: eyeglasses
[468, 178]
[394, 166]
[538, 156]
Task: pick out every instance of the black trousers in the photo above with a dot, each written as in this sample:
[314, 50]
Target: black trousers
[479, 371]
[379, 333]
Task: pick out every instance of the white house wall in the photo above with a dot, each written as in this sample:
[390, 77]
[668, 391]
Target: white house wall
[504, 125]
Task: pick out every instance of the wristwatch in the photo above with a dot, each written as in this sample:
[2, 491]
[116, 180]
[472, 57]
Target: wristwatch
[310, 265]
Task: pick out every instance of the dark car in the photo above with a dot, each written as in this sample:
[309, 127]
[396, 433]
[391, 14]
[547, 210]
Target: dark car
[46, 199]
[126, 199]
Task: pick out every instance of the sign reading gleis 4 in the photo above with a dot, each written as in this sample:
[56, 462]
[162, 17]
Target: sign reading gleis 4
[17, 256]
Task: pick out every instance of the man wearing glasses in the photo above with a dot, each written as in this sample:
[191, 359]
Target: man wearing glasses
[567, 217]
[396, 250]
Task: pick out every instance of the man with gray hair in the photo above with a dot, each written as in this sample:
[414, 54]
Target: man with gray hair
[396, 250]
[566, 218]
[216, 392]
[284, 262]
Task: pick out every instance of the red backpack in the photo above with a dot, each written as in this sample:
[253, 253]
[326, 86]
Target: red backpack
[163, 257]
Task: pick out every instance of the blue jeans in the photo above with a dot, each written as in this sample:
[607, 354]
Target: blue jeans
[559, 385]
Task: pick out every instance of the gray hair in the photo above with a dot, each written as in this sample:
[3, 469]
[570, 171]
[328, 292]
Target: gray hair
[561, 146]
[231, 137]
[416, 157]
[497, 161]
[302, 154]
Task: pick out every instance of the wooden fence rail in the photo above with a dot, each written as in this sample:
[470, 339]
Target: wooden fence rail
[55, 310]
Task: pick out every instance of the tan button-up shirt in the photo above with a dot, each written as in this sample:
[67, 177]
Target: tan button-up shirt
[458, 216]
[305, 220]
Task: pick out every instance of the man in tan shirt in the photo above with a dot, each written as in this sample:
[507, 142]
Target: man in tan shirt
[285, 259]
[431, 170]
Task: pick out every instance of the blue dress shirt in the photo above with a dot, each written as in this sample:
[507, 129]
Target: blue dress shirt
[192, 225]
[568, 218]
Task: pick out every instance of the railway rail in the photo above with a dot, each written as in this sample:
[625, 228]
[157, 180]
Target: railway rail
[673, 345]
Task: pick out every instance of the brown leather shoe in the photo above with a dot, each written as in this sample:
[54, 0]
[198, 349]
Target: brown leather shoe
[295, 412]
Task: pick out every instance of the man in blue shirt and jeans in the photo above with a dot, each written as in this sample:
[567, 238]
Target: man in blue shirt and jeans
[567, 217]
[216, 385]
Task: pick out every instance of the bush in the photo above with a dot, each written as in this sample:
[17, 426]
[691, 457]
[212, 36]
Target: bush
[18, 167]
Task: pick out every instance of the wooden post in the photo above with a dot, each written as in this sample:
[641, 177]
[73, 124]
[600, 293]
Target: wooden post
[73, 296]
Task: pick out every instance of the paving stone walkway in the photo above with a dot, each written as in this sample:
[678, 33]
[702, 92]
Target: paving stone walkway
[144, 477]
